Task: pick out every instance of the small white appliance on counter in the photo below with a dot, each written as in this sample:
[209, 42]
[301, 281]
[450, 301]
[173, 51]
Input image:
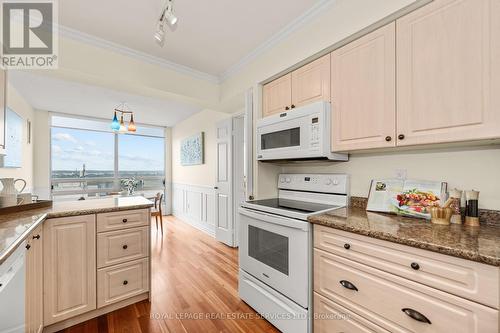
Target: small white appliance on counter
[301, 134]
[275, 276]
[12, 292]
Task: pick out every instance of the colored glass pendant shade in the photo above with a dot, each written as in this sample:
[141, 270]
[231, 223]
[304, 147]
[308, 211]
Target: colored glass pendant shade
[131, 125]
[122, 128]
[115, 125]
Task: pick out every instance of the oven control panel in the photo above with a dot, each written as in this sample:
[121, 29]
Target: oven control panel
[322, 183]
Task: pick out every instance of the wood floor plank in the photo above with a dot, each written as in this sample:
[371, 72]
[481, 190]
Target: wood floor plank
[193, 276]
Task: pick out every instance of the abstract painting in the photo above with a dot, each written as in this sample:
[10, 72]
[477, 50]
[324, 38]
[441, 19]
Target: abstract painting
[192, 150]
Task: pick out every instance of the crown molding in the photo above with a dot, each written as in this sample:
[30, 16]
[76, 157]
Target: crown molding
[296, 24]
[103, 43]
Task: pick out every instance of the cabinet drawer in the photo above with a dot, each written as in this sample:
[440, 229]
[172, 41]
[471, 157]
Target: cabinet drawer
[115, 247]
[122, 220]
[468, 279]
[122, 281]
[386, 295]
[330, 317]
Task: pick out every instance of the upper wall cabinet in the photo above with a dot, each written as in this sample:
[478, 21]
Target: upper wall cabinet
[307, 84]
[277, 96]
[363, 92]
[448, 72]
[3, 104]
[311, 82]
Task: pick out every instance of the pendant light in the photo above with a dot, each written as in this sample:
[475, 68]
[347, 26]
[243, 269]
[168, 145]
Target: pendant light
[131, 124]
[115, 125]
[119, 126]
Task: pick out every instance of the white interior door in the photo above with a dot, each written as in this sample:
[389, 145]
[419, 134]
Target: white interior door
[224, 224]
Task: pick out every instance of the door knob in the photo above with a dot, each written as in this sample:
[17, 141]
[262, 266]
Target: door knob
[287, 108]
[388, 138]
[401, 136]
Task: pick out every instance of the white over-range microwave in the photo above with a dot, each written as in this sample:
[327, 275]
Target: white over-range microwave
[301, 134]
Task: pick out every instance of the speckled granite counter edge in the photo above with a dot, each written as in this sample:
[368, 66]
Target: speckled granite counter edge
[463, 254]
[6, 253]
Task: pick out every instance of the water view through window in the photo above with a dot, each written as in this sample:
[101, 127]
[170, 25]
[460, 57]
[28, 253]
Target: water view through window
[83, 161]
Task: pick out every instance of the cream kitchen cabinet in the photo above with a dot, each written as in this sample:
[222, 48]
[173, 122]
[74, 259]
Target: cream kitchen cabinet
[373, 282]
[277, 96]
[363, 92]
[309, 83]
[69, 267]
[448, 72]
[34, 281]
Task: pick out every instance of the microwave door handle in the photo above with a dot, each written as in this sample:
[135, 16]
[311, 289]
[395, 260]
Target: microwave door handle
[281, 220]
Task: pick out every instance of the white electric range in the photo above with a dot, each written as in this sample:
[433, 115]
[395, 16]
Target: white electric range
[276, 247]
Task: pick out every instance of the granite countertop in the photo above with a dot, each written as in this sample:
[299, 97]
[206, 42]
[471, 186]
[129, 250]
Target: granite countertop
[481, 244]
[15, 227]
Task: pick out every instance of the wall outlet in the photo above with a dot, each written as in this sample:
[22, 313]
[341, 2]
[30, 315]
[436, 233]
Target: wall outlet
[400, 173]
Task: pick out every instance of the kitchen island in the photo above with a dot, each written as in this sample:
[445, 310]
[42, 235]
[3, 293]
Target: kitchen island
[83, 258]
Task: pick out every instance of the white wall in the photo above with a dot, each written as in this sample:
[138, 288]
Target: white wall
[199, 175]
[41, 154]
[475, 168]
[17, 104]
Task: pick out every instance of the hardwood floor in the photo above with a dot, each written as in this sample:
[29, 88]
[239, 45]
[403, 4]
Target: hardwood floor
[194, 289]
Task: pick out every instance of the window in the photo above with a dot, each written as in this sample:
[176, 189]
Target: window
[142, 157]
[88, 159]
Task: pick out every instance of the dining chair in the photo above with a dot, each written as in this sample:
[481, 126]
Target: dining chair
[156, 211]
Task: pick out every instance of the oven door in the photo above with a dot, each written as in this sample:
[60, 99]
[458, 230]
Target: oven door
[276, 250]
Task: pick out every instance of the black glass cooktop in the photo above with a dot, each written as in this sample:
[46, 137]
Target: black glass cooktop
[293, 205]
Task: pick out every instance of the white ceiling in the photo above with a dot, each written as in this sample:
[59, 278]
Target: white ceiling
[46, 93]
[211, 36]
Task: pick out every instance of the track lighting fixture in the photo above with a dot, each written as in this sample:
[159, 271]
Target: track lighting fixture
[167, 16]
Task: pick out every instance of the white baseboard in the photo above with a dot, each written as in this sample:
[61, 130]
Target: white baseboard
[195, 205]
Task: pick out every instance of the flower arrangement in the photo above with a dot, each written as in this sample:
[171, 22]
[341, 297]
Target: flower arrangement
[130, 184]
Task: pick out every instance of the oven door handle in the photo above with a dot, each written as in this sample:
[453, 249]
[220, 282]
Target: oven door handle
[279, 220]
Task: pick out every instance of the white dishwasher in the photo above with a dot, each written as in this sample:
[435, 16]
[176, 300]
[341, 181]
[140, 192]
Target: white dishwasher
[12, 292]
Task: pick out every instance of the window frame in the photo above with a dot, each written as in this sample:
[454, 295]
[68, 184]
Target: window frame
[116, 172]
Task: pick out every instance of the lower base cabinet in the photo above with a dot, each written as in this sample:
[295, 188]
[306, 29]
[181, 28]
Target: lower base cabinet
[122, 281]
[330, 317]
[92, 261]
[351, 296]
[69, 267]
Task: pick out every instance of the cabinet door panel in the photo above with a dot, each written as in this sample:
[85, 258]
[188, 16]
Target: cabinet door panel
[69, 267]
[448, 61]
[277, 95]
[311, 82]
[363, 92]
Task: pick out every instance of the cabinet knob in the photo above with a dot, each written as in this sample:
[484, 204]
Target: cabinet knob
[347, 246]
[388, 138]
[287, 108]
[401, 136]
[125, 246]
[125, 282]
[415, 266]
[36, 237]
[416, 315]
[124, 220]
[293, 106]
[348, 285]
[28, 246]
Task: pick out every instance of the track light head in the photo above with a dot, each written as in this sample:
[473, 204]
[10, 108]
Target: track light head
[160, 34]
[170, 17]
